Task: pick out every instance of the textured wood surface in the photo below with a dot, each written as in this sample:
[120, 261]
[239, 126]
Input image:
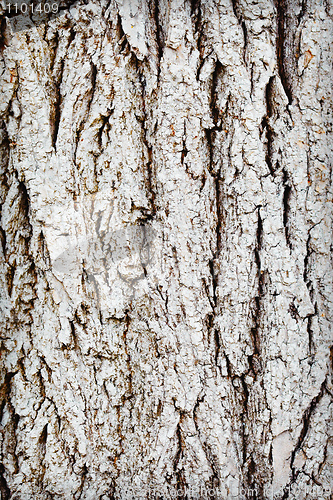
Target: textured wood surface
[166, 266]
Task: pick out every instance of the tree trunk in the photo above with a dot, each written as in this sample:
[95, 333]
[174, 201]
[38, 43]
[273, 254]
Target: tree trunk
[165, 263]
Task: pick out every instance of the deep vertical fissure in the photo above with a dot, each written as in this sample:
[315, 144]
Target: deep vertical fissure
[281, 41]
[159, 36]
[286, 207]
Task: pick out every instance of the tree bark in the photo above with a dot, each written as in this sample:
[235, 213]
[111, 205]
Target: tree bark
[166, 266]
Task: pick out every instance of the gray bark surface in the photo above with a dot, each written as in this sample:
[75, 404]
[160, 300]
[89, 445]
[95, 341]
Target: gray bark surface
[166, 266]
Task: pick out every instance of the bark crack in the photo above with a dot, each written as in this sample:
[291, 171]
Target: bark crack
[237, 12]
[159, 37]
[5, 491]
[265, 125]
[286, 207]
[179, 472]
[259, 297]
[88, 98]
[281, 42]
[306, 422]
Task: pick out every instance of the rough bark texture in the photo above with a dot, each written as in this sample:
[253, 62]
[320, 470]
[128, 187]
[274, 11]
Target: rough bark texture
[166, 275]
